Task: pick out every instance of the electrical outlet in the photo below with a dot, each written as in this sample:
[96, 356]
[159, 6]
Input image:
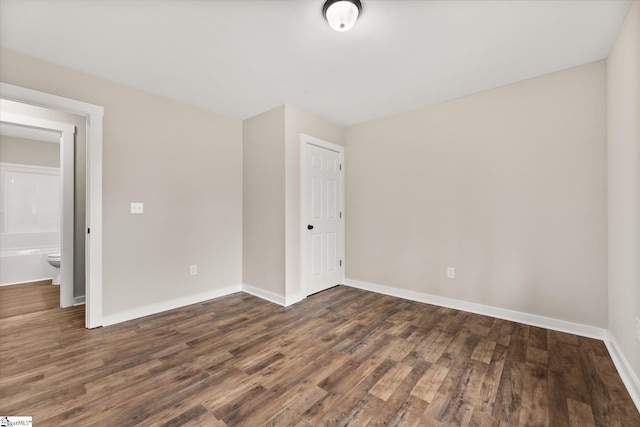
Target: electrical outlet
[451, 273]
[193, 269]
[137, 208]
[637, 329]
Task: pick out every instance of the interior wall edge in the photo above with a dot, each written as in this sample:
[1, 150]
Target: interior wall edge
[263, 294]
[629, 378]
[284, 301]
[294, 298]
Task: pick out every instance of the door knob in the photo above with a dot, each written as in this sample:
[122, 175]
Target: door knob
[309, 227]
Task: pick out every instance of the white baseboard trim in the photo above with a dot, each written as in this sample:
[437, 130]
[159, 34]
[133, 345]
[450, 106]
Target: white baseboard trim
[285, 301]
[78, 300]
[293, 299]
[26, 281]
[265, 295]
[624, 369]
[148, 310]
[486, 310]
[629, 378]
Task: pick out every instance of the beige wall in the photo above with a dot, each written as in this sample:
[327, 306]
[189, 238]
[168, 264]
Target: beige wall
[263, 236]
[80, 176]
[623, 72]
[28, 152]
[182, 162]
[508, 186]
[299, 122]
[271, 207]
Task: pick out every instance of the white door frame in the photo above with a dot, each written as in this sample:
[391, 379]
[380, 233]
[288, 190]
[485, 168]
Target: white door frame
[305, 141]
[67, 168]
[93, 256]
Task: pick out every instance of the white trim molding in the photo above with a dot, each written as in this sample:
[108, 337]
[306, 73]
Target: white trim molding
[629, 378]
[66, 134]
[78, 300]
[294, 299]
[305, 142]
[151, 309]
[136, 313]
[27, 281]
[93, 115]
[285, 301]
[265, 295]
[625, 371]
[486, 310]
[39, 170]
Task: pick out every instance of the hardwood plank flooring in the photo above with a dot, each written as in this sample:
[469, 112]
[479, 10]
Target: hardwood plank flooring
[340, 357]
[28, 298]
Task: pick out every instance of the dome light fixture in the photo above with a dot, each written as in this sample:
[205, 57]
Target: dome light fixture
[342, 14]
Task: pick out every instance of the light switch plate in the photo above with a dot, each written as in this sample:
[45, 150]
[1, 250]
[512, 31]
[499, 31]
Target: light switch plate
[137, 208]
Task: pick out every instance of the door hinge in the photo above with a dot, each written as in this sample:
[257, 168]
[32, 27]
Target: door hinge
[340, 214]
[340, 263]
[88, 231]
[340, 166]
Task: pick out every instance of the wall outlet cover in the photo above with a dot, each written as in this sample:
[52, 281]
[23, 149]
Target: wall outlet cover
[193, 269]
[451, 273]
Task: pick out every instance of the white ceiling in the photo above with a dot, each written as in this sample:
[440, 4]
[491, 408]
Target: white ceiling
[240, 58]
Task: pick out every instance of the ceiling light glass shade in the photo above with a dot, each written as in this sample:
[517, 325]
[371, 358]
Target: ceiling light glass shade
[342, 14]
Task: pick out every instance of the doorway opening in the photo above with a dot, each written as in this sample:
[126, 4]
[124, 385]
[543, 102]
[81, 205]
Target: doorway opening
[33, 203]
[93, 115]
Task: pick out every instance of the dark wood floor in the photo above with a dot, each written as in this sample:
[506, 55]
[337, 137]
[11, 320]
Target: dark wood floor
[28, 298]
[343, 356]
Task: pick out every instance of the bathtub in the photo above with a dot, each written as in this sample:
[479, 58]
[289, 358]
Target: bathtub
[26, 265]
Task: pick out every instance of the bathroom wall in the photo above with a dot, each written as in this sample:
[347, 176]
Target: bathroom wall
[31, 201]
[30, 208]
[80, 179]
[28, 152]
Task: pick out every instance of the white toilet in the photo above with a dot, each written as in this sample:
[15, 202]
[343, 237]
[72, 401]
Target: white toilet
[54, 261]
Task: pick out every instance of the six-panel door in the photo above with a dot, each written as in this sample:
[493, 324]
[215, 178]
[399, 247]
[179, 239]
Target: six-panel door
[324, 215]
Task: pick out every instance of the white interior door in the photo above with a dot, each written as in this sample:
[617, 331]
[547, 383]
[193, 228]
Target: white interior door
[322, 214]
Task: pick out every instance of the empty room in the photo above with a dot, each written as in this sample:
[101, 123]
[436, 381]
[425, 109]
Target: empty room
[320, 212]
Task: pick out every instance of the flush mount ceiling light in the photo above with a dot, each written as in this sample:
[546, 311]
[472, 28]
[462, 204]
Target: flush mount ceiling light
[342, 14]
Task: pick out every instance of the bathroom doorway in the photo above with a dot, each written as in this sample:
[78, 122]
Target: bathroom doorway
[91, 231]
[38, 209]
